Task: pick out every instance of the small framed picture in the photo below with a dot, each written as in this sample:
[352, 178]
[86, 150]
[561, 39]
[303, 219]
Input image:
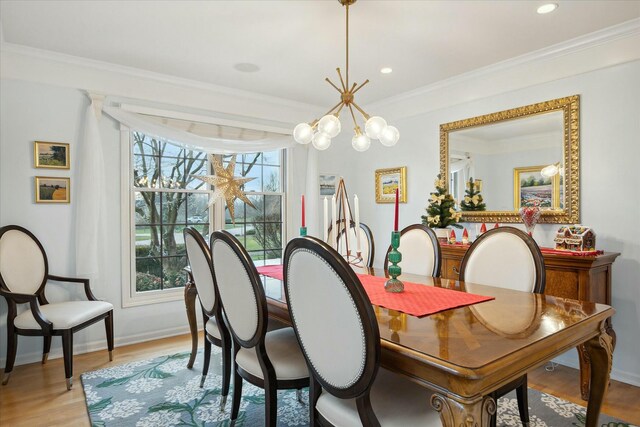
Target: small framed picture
[328, 184]
[531, 188]
[387, 181]
[51, 155]
[50, 189]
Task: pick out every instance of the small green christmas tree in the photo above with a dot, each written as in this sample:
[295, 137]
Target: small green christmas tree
[473, 199]
[441, 210]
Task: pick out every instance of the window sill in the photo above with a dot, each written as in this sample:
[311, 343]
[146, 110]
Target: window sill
[152, 297]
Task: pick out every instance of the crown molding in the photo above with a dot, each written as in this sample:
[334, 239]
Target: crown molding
[605, 36]
[56, 68]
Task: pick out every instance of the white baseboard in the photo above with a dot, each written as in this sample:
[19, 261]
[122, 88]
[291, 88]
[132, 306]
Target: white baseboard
[100, 344]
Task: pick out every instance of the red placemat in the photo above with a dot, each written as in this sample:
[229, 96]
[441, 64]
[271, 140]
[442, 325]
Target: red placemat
[417, 300]
[274, 271]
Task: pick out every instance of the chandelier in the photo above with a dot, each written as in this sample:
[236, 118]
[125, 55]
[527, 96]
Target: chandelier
[320, 131]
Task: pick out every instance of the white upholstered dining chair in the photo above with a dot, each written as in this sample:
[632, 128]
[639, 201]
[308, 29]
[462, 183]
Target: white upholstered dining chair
[367, 245]
[270, 360]
[215, 330]
[420, 250]
[506, 257]
[24, 273]
[348, 386]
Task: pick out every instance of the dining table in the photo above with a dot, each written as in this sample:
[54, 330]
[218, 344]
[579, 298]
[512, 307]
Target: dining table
[461, 355]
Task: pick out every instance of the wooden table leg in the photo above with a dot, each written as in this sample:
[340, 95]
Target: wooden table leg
[600, 351]
[190, 294]
[585, 364]
[454, 413]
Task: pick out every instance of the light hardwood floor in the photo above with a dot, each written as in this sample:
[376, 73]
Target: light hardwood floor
[37, 396]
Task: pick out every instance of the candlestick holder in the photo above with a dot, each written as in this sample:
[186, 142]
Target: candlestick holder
[393, 284]
[303, 231]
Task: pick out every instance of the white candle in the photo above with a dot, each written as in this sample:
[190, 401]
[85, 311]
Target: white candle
[357, 211]
[334, 218]
[326, 220]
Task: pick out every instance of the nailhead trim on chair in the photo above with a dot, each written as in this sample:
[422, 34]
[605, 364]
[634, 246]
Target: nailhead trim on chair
[362, 336]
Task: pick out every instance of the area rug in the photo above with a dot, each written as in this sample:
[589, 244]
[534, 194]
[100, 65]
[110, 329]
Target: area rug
[163, 392]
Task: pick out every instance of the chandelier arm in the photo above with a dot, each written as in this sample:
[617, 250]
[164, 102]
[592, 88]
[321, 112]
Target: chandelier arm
[337, 113]
[353, 87]
[334, 107]
[360, 87]
[364, 114]
[331, 83]
[344, 87]
[353, 116]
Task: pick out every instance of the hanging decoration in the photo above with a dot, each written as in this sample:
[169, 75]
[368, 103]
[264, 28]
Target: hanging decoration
[226, 184]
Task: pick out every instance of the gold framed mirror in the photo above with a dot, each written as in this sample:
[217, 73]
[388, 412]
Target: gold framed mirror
[526, 156]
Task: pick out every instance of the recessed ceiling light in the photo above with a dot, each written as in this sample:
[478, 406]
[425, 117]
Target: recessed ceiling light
[246, 67]
[386, 70]
[547, 8]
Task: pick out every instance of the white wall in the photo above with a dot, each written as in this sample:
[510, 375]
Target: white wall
[610, 152]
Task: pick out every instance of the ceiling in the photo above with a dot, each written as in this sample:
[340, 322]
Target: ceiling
[297, 44]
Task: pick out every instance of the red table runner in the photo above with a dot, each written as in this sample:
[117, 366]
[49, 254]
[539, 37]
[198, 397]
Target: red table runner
[417, 300]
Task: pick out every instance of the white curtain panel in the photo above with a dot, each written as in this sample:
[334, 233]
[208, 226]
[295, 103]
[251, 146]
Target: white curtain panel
[89, 199]
[197, 142]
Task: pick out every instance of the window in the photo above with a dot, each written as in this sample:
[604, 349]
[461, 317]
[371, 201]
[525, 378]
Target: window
[166, 198]
[260, 230]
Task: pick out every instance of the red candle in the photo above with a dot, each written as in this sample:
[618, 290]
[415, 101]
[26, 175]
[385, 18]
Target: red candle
[303, 211]
[395, 224]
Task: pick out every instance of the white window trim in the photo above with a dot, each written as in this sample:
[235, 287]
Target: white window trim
[131, 298]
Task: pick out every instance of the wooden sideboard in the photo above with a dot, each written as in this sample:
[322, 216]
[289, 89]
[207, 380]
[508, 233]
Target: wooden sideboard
[586, 278]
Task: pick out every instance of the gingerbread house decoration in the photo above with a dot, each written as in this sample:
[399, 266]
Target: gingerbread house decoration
[575, 238]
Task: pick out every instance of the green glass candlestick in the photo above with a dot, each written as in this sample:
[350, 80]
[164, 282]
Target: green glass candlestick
[303, 231]
[393, 284]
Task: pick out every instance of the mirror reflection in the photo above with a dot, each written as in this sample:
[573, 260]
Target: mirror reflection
[523, 159]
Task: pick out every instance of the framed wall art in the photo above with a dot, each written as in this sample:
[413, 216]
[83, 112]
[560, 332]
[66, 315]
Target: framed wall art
[51, 155]
[530, 188]
[387, 181]
[51, 189]
[328, 184]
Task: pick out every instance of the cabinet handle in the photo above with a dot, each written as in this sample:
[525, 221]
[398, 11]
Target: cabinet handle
[455, 270]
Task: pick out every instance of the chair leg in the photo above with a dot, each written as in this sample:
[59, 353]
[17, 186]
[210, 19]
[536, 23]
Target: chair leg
[523, 402]
[207, 359]
[67, 352]
[46, 348]
[270, 403]
[12, 346]
[226, 369]
[299, 395]
[108, 324]
[237, 394]
[493, 421]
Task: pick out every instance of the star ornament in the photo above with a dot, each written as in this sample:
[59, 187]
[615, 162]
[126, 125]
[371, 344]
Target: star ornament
[226, 185]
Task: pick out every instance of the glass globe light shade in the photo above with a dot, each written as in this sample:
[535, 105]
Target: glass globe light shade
[389, 136]
[330, 125]
[361, 142]
[549, 171]
[321, 141]
[303, 133]
[374, 127]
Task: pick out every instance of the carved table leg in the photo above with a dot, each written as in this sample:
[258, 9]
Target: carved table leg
[600, 351]
[468, 414]
[190, 294]
[585, 364]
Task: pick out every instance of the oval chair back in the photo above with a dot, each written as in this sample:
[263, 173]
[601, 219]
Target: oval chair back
[420, 251]
[505, 257]
[199, 259]
[319, 284]
[241, 292]
[23, 263]
[367, 246]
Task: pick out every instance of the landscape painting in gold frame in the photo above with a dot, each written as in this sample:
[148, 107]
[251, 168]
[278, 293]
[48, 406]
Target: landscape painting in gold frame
[530, 189]
[387, 180]
[51, 189]
[51, 155]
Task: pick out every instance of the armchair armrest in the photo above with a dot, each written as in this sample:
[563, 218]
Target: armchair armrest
[87, 287]
[32, 300]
